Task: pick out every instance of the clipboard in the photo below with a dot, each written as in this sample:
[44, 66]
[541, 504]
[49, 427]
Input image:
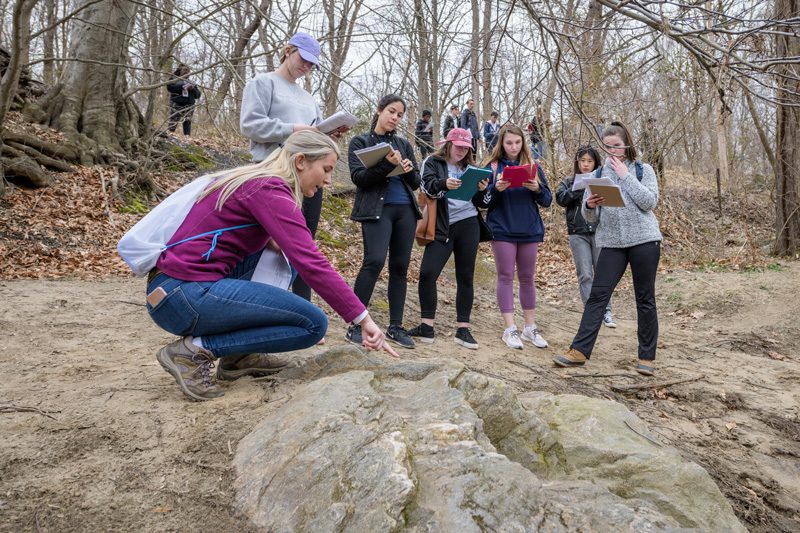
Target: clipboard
[372, 155]
[469, 184]
[611, 193]
[517, 175]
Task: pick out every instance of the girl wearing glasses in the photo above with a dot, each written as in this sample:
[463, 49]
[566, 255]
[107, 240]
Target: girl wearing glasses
[627, 235]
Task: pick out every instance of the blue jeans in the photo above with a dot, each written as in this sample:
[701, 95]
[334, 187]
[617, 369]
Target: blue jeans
[236, 316]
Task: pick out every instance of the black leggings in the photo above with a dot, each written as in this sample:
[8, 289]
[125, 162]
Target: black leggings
[463, 244]
[611, 265]
[181, 115]
[312, 209]
[393, 232]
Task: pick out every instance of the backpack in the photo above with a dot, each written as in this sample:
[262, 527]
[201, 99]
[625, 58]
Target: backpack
[143, 244]
[636, 165]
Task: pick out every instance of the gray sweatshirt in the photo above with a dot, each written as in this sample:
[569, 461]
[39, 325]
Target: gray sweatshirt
[623, 227]
[271, 106]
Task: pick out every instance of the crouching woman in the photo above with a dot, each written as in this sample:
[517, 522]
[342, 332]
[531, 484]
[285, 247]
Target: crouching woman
[201, 288]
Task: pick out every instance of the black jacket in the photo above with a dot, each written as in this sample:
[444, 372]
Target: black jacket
[434, 183]
[424, 133]
[371, 183]
[571, 201]
[176, 93]
[449, 123]
[470, 122]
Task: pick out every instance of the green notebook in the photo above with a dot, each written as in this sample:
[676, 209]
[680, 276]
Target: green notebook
[469, 184]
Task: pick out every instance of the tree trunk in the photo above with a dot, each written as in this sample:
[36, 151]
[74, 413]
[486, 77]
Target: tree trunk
[486, 59]
[49, 44]
[89, 105]
[339, 36]
[423, 56]
[474, 50]
[787, 202]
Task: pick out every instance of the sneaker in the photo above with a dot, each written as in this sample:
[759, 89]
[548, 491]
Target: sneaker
[645, 367]
[423, 333]
[608, 320]
[353, 335]
[191, 367]
[254, 364]
[532, 335]
[572, 358]
[399, 336]
[464, 338]
[511, 338]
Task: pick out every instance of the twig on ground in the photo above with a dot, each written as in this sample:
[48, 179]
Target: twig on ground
[642, 434]
[659, 385]
[11, 408]
[598, 375]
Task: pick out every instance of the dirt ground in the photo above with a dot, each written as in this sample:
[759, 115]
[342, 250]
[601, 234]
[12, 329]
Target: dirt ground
[95, 436]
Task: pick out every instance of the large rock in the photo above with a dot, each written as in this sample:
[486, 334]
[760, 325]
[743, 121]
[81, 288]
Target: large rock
[431, 446]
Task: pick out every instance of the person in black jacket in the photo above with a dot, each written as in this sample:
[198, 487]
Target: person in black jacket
[424, 133]
[469, 122]
[182, 97]
[452, 121]
[581, 233]
[459, 229]
[388, 213]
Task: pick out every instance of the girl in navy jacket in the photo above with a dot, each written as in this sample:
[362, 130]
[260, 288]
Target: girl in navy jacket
[517, 229]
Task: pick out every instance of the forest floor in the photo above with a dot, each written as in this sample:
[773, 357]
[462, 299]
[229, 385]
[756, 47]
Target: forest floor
[95, 436]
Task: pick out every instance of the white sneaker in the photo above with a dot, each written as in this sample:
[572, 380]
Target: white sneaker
[608, 320]
[532, 335]
[511, 338]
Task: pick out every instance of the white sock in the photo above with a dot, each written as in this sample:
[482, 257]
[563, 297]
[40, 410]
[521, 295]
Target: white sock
[198, 341]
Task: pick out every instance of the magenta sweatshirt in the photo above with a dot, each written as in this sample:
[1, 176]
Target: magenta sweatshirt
[269, 203]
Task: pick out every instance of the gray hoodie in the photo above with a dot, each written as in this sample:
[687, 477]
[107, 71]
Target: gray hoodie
[271, 106]
[623, 227]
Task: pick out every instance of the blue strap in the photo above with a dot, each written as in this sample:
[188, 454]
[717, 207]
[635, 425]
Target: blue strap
[216, 233]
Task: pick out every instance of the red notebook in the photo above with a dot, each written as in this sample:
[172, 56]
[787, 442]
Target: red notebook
[519, 175]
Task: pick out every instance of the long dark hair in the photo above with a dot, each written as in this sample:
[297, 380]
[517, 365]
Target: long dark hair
[620, 130]
[385, 101]
[582, 151]
[180, 70]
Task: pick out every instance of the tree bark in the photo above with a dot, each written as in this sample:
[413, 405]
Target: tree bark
[486, 59]
[787, 217]
[474, 50]
[89, 105]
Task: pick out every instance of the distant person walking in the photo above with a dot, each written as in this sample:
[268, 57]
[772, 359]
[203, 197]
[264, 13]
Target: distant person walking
[274, 106]
[451, 121]
[423, 134]
[469, 122]
[490, 129]
[627, 235]
[183, 95]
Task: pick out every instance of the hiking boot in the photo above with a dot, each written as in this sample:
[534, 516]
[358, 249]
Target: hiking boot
[572, 358]
[353, 335]
[253, 364]
[464, 338]
[532, 335]
[511, 338]
[399, 336]
[423, 333]
[608, 320]
[191, 367]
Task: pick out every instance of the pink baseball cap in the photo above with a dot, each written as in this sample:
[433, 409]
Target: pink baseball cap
[459, 137]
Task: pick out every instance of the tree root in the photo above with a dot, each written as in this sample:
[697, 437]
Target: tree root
[47, 161]
[25, 167]
[66, 152]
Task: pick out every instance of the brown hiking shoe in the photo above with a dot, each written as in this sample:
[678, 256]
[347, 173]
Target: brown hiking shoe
[191, 367]
[572, 358]
[255, 364]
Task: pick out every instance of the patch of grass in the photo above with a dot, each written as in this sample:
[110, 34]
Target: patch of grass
[776, 267]
[189, 158]
[135, 205]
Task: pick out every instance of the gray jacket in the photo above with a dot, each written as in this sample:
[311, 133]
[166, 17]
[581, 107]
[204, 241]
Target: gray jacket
[623, 227]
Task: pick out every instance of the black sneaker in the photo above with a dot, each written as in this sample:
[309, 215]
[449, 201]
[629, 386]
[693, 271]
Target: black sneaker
[400, 337]
[464, 338]
[423, 332]
[354, 335]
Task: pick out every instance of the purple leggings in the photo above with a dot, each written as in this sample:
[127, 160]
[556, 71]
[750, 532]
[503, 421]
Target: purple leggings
[507, 255]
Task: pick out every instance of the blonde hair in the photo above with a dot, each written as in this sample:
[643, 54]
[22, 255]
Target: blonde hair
[313, 145]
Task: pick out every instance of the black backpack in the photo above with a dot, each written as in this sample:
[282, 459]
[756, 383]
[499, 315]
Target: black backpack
[636, 164]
